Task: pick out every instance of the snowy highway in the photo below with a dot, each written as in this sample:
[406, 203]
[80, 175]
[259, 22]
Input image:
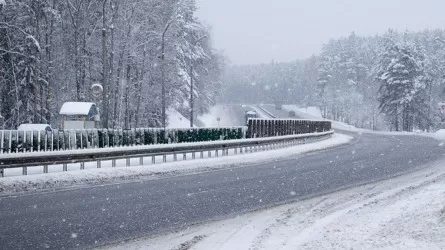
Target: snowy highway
[195, 125]
[100, 215]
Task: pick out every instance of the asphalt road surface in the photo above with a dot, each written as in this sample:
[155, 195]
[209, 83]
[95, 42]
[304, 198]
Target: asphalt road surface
[99, 215]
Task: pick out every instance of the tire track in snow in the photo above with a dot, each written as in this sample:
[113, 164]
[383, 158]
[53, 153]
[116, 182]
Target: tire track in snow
[281, 221]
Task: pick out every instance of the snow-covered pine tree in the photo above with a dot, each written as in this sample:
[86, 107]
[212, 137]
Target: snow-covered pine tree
[403, 83]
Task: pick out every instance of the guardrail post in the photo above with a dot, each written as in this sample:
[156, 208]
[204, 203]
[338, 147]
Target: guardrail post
[65, 167]
[289, 128]
[153, 159]
[127, 162]
[45, 169]
[201, 154]
[271, 128]
[257, 128]
[99, 165]
[113, 163]
[2, 138]
[52, 141]
[184, 156]
[2, 172]
[175, 157]
[141, 161]
[82, 165]
[10, 142]
[164, 158]
[193, 156]
[46, 142]
[261, 129]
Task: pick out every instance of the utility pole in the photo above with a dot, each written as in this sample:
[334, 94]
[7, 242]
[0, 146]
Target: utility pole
[164, 105]
[105, 100]
[191, 81]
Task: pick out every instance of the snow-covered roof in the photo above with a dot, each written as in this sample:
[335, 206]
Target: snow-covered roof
[76, 108]
[250, 113]
[34, 127]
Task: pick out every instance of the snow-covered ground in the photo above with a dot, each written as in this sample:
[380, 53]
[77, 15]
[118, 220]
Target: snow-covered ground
[223, 112]
[176, 120]
[314, 113]
[309, 112]
[107, 174]
[407, 212]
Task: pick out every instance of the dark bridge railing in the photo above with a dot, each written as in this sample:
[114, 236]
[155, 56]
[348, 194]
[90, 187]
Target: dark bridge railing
[259, 128]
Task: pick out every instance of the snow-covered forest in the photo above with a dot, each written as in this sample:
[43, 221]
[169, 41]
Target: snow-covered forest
[387, 82]
[142, 53]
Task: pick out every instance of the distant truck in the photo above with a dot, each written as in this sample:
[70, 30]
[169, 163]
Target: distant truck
[250, 114]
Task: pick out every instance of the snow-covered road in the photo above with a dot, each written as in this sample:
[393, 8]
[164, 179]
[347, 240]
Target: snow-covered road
[104, 214]
[407, 212]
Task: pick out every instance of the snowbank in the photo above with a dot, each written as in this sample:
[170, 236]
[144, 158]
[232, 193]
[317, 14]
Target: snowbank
[440, 134]
[314, 113]
[307, 113]
[407, 212]
[223, 112]
[104, 175]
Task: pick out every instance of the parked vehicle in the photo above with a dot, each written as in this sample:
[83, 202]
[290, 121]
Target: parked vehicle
[250, 114]
[34, 127]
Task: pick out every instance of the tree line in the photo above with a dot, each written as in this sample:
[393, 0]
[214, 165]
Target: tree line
[392, 81]
[144, 55]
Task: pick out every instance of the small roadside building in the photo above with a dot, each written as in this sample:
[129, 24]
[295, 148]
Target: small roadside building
[79, 115]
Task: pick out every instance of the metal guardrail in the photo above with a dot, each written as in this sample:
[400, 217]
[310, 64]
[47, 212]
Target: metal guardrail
[24, 160]
[267, 112]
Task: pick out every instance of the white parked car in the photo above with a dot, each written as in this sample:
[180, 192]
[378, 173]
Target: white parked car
[34, 127]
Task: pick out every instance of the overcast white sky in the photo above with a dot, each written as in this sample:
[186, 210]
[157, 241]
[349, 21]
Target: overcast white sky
[257, 31]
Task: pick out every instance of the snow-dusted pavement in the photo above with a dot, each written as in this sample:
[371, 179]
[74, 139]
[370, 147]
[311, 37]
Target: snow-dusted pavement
[107, 174]
[97, 215]
[407, 212]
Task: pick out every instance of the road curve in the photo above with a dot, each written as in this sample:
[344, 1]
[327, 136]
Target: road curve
[99, 215]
